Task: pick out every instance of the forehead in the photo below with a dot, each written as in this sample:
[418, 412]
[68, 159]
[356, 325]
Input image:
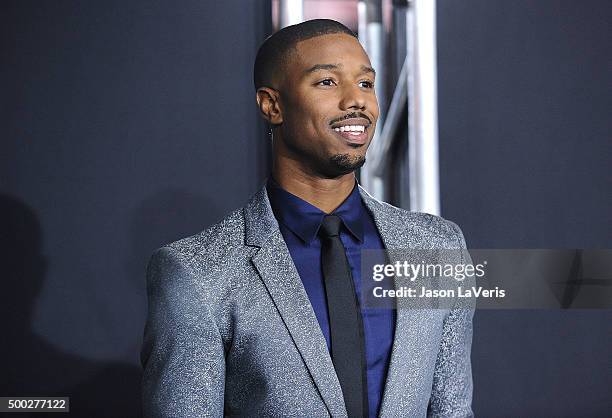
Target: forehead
[329, 49]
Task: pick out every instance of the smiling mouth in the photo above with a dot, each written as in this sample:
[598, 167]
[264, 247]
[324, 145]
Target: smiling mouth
[352, 129]
[355, 135]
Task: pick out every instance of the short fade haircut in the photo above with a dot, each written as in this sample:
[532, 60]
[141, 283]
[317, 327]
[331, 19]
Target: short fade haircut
[273, 51]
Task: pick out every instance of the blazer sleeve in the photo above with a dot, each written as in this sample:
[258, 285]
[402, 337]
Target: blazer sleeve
[451, 394]
[182, 354]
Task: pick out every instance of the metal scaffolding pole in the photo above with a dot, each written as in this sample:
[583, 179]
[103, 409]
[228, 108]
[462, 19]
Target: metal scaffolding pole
[291, 12]
[417, 86]
[371, 35]
[423, 108]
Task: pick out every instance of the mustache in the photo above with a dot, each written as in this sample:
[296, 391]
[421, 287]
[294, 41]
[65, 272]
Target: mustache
[350, 116]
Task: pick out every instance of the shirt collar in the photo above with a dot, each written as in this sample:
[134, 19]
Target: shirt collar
[304, 219]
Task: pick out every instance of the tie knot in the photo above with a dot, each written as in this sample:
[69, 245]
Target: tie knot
[330, 227]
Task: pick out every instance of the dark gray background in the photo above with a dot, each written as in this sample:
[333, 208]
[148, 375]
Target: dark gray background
[526, 162]
[126, 125]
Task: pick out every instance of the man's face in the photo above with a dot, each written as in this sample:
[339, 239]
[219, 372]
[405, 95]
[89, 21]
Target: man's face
[329, 107]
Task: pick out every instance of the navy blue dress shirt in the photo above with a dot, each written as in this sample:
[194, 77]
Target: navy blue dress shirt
[299, 223]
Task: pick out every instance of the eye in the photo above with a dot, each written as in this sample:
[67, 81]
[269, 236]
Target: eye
[367, 84]
[327, 82]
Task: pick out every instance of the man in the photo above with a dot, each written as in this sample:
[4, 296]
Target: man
[262, 313]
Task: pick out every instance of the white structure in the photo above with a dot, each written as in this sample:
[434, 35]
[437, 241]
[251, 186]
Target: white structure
[291, 12]
[418, 86]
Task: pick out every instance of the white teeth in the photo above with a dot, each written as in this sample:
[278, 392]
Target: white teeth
[350, 128]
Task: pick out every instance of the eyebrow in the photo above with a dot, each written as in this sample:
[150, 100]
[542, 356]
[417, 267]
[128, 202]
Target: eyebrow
[319, 67]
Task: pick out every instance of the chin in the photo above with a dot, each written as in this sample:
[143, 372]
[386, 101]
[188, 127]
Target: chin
[342, 164]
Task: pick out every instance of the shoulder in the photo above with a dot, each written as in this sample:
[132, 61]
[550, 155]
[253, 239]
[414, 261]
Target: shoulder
[204, 255]
[212, 241]
[416, 225]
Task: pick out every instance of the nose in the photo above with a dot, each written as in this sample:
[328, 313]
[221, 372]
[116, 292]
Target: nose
[352, 98]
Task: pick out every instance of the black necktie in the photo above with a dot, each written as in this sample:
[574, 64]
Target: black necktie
[345, 322]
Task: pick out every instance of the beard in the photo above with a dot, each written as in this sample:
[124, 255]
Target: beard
[341, 164]
[320, 163]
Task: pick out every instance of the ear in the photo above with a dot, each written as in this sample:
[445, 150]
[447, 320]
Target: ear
[268, 103]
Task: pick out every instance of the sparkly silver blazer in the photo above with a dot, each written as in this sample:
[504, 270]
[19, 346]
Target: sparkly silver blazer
[230, 329]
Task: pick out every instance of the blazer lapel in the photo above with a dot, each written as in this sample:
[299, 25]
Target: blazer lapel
[406, 363]
[278, 273]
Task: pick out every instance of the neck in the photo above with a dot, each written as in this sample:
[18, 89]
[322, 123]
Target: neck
[324, 193]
